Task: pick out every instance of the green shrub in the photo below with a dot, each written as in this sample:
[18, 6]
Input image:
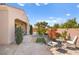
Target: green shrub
[39, 31]
[64, 34]
[31, 30]
[40, 40]
[19, 35]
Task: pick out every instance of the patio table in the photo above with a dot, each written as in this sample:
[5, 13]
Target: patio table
[61, 42]
[61, 45]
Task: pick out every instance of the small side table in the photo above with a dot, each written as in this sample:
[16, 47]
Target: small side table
[62, 47]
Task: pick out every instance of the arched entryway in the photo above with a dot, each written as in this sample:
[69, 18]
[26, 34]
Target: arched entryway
[23, 25]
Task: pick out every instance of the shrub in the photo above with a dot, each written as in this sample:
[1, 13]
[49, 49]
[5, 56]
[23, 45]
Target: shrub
[58, 35]
[41, 27]
[31, 30]
[69, 37]
[40, 40]
[64, 34]
[40, 32]
[19, 35]
[53, 34]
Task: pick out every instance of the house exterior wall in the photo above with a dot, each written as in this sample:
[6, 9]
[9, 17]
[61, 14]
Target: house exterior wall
[7, 21]
[3, 25]
[21, 24]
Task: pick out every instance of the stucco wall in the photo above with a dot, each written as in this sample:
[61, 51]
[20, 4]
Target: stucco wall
[13, 15]
[73, 32]
[3, 25]
[10, 14]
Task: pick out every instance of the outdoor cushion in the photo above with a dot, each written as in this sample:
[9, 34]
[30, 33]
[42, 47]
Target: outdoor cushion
[51, 43]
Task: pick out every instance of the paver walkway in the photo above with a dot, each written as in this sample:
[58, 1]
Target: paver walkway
[28, 47]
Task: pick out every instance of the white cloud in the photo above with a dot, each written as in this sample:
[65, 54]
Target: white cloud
[45, 3]
[21, 4]
[77, 6]
[51, 17]
[68, 14]
[37, 4]
[52, 20]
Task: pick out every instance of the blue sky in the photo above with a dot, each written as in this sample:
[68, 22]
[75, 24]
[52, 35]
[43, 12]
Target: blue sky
[49, 12]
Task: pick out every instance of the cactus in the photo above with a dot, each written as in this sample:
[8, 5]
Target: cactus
[31, 30]
[19, 35]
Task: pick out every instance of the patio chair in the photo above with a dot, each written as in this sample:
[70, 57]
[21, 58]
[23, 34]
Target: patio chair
[73, 42]
[52, 43]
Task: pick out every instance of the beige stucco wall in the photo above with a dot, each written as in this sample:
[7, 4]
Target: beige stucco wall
[73, 32]
[3, 25]
[7, 21]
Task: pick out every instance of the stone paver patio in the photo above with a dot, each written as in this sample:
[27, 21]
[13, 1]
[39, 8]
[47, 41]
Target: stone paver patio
[29, 47]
